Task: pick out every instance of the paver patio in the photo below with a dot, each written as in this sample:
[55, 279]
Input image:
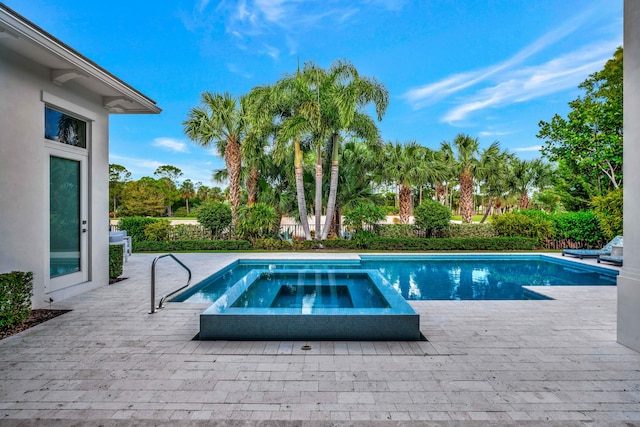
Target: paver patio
[109, 362]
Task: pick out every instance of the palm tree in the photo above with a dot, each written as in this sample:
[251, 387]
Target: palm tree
[466, 150]
[349, 93]
[404, 166]
[525, 175]
[491, 174]
[187, 191]
[359, 161]
[220, 121]
[293, 107]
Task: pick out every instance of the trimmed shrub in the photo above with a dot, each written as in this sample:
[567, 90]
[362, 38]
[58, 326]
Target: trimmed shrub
[215, 216]
[432, 216]
[578, 226]
[484, 230]
[135, 226]
[258, 221]
[363, 214]
[519, 224]
[608, 210]
[284, 245]
[395, 231]
[16, 289]
[158, 231]
[437, 244]
[189, 232]
[192, 245]
[116, 254]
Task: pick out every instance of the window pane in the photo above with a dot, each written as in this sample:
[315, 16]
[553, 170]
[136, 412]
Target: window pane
[64, 216]
[65, 129]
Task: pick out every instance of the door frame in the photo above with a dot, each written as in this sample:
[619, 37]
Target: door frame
[53, 284]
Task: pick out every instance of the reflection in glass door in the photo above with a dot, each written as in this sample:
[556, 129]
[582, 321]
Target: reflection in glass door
[65, 240]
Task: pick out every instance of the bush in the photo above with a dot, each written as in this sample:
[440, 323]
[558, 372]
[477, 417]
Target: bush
[215, 216]
[189, 232]
[16, 289]
[432, 217]
[283, 245]
[158, 231]
[608, 210]
[116, 254]
[395, 230]
[363, 214]
[519, 224]
[438, 244]
[257, 222]
[135, 226]
[485, 230]
[578, 226]
[192, 245]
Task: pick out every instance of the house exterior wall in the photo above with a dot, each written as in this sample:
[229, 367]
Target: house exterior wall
[24, 178]
[629, 278]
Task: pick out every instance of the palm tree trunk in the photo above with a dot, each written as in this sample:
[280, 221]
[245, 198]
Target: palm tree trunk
[187, 200]
[405, 203]
[252, 185]
[302, 204]
[488, 211]
[233, 159]
[524, 201]
[333, 188]
[318, 192]
[466, 196]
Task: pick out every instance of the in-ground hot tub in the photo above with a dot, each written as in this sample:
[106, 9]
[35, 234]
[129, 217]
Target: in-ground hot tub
[310, 304]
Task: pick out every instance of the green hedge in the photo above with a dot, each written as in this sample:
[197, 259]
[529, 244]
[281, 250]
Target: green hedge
[395, 231]
[16, 289]
[192, 245]
[437, 244]
[116, 253]
[135, 226]
[283, 245]
[484, 230]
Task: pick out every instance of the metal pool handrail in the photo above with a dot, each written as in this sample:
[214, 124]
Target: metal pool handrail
[153, 282]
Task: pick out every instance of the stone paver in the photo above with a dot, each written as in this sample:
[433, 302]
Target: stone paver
[109, 362]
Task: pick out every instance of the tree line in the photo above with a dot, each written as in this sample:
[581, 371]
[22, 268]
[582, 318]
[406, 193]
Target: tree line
[309, 143]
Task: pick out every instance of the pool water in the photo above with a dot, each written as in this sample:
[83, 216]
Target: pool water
[312, 290]
[457, 277]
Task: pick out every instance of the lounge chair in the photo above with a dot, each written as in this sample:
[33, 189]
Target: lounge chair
[594, 253]
[617, 260]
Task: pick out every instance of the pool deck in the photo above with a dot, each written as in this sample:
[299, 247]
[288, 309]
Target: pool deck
[108, 362]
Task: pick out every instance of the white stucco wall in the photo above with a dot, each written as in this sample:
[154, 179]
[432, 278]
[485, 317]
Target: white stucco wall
[629, 279]
[24, 180]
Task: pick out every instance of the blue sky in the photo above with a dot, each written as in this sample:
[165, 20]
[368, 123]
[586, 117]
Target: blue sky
[492, 69]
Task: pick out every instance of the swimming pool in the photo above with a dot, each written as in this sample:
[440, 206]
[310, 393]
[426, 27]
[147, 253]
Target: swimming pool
[433, 277]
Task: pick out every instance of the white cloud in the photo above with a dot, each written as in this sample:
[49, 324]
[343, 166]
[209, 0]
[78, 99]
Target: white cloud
[493, 133]
[171, 144]
[430, 93]
[526, 149]
[562, 73]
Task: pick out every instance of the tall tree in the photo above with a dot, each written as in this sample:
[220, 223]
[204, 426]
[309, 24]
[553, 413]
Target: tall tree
[219, 121]
[491, 174]
[187, 191]
[118, 176]
[404, 167]
[167, 182]
[347, 95]
[466, 151]
[525, 175]
[590, 139]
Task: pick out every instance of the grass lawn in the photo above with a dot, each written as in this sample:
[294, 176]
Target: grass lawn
[476, 218]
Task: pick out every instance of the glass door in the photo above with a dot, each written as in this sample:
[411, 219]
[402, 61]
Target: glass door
[67, 221]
